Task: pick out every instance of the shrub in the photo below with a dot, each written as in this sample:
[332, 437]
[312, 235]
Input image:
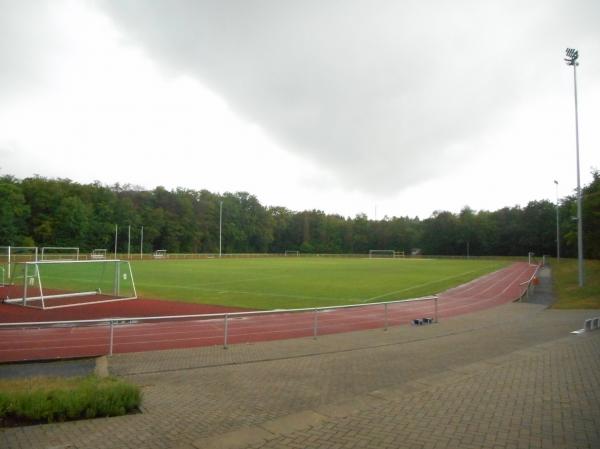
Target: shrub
[44, 400]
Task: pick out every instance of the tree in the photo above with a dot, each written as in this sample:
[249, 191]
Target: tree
[51, 212]
[14, 213]
[71, 222]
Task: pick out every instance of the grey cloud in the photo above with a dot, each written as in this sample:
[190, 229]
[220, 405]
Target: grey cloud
[377, 92]
[25, 35]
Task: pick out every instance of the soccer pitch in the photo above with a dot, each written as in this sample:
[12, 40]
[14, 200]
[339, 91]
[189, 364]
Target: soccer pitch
[297, 282]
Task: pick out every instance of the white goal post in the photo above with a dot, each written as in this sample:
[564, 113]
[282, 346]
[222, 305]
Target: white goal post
[382, 253]
[160, 254]
[60, 253]
[9, 255]
[98, 254]
[67, 283]
[290, 252]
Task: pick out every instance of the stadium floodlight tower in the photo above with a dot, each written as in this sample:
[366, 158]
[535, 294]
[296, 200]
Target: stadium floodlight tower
[557, 225]
[571, 59]
[220, 226]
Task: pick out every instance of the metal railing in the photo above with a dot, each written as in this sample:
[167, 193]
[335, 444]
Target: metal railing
[530, 285]
[226, 318]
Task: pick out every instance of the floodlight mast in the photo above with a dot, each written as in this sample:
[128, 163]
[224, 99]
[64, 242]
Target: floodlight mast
[571, 59]
[220, 225]
[557, 225]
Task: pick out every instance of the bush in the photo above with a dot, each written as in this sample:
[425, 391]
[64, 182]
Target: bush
[89, 397]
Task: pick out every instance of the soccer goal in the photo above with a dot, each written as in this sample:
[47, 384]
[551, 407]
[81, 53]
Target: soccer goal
[10, 255]
[59, 253]
[98, 254]
[532, 259]
[382, 254]
[59, 283]
[289, 252]
[160, 254]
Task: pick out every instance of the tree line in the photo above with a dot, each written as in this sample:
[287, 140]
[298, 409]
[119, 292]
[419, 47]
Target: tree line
[39, 211]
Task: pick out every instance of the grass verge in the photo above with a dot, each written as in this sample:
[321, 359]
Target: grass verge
[42, 399]
[568, 293]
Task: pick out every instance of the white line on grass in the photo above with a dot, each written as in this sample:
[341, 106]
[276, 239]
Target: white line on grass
[417, 286]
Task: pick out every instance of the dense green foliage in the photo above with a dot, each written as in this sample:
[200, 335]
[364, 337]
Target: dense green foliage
[566, 285]
[50, 400]
[297, 282]
[60, 212]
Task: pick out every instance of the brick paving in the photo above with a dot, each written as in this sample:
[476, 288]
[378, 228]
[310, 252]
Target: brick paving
[508, 377]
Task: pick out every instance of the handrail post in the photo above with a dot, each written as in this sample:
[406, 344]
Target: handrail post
[435, 305]
[112, 331]
[315, 323]
[385, 316]
[225, 330]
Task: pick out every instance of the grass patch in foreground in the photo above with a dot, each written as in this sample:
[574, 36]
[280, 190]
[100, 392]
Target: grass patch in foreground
[569, 294]
[42, 399]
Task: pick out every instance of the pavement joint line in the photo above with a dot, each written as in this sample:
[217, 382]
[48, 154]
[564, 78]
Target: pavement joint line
[266, 431]
[311, 418]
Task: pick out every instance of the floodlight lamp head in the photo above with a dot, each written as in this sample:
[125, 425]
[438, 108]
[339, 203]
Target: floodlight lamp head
[572, 56]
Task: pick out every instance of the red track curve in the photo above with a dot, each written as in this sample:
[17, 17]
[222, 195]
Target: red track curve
[53, 342]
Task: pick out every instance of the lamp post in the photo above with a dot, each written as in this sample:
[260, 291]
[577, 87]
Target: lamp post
[571, 59]
[220, 224]
[557, 226]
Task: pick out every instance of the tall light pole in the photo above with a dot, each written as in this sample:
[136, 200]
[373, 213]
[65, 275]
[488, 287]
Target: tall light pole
[557, 226]
[116, 231]
[128, 242]
[142, 243]
[220, 225]
[571, 59]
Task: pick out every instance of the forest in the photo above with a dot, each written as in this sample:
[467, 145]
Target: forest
[38, 211]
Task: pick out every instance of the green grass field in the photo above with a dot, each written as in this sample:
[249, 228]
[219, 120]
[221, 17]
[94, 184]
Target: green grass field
[279, 283]
[569, 295]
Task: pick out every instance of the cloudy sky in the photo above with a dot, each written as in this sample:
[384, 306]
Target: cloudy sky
[381, 107]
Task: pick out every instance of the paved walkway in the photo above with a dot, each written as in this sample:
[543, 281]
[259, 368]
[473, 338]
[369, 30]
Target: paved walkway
[508, 377]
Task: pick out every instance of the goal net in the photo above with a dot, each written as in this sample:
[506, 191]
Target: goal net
[160, 254]
[59, 253]
[382, 254]
[55, 284]
[10, 255]
[98, 254]
[292, 252]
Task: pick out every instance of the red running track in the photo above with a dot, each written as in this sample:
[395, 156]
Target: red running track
[44, 342]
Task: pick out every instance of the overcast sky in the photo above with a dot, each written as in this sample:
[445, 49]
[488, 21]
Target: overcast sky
[381, 107]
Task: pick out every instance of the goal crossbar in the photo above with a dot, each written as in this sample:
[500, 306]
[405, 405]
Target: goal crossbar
[98, 253]
[69, 251]
[159, 254]
[12, 253]
[374, 253]
[64, 283]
